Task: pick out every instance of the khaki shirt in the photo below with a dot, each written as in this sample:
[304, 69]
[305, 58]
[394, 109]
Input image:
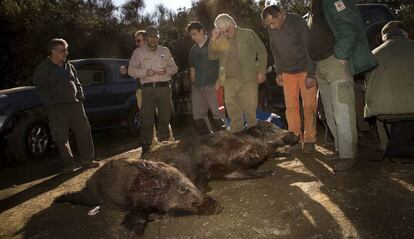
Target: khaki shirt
[144, 59]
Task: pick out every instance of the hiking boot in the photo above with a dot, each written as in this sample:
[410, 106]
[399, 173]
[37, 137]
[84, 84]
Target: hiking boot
[68, 169]
[218, 124]
[294, 148]
[91, 164]
[201, 127]
[145, 150]
[344, 165]
[308, 148]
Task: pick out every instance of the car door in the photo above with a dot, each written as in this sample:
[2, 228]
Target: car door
[123, 90]
[98, 94]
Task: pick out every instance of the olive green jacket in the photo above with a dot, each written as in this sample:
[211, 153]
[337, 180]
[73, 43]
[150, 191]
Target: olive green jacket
[390, 87]
[351, 43]
[252, 54]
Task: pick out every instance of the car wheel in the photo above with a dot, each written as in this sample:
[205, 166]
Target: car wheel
[30, 139]
[134, 122]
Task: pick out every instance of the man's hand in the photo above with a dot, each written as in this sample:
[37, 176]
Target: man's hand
[163, 71]
[261, 77]
[342, 61]
[150, 72]
[217, 85]
[310, 82]
[215, 33]
[279, 80]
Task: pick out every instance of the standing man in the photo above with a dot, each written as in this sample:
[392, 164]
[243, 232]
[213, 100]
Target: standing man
[338, 43]
[154, 66]
[243, 61]
[390, 87]
[204, 75]
[62, 95]
[288, 34]
[139, 42]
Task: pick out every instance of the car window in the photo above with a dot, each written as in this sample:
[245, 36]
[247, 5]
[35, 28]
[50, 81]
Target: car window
[91, 74]
[116, 72]
[372, 15]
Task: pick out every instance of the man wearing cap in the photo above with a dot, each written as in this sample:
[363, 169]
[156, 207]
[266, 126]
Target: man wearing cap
[390, 86]
[154, 66]
[338, 44]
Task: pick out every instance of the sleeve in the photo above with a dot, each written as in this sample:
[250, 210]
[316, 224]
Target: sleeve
[276, 56]
[41, 81]
[79, 95]
[135, 68]
[172, 68]
[261, 53]
[346, 20]
[304, 30]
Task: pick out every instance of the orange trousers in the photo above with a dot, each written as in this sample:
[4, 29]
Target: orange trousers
[293, 87]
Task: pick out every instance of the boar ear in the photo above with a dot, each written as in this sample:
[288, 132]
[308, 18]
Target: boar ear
[136, 220]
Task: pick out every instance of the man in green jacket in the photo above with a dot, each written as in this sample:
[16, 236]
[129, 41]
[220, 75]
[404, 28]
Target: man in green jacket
[337, 42]
[243, 61]
[61, 93]
[390, 87]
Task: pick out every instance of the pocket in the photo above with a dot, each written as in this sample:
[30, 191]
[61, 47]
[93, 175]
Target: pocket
[346, 92]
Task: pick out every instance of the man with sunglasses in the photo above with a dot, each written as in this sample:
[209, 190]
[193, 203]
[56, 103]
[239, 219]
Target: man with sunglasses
[288, 34]
[243, 61]
[154, 66]
[62, 95]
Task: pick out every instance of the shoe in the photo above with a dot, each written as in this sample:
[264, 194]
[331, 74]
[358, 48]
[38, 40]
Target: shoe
[201, 127]
[343, 165]
[294, 148]
[90, 165]
[145, 150]
[68, 169]
[308, 148]
[218, 124]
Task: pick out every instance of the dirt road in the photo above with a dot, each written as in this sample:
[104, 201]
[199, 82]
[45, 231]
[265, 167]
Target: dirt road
[305, 199]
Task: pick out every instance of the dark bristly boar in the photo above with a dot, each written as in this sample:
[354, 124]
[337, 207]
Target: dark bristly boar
[222, 154]
[142, 188]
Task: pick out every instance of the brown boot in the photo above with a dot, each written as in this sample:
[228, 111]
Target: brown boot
[91, 164]
[344, 165]
[308, 148]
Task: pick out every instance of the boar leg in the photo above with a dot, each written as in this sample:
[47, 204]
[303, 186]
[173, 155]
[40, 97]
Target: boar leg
[241, 174]
[135, 221]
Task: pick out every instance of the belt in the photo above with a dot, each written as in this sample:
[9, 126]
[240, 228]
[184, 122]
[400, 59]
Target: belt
[157, 84]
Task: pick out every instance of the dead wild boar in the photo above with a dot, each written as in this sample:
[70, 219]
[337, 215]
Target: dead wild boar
[142, 188]
[222, 154]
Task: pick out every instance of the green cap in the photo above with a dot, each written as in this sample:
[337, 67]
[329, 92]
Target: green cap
[152, 31]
